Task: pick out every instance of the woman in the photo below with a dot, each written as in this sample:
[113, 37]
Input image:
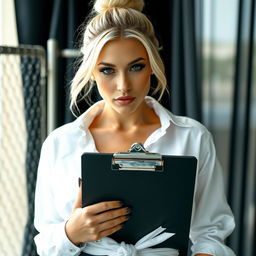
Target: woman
[120, 54]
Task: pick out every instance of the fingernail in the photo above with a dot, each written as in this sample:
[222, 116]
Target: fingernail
[128, 210]
[79, 181]
[127, 217]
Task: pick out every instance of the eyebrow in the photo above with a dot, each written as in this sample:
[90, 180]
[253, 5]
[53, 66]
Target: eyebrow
[112, 65]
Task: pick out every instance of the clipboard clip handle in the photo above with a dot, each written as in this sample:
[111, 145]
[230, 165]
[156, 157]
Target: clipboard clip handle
[137, 159]
[137, 147]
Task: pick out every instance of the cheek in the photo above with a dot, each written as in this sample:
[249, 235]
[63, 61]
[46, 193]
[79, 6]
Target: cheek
[144, 82]
[104, 88]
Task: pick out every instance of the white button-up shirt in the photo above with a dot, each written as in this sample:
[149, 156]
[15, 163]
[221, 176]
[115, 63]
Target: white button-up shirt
[60, 167]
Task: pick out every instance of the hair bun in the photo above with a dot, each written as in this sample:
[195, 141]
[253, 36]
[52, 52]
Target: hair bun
[102, 5]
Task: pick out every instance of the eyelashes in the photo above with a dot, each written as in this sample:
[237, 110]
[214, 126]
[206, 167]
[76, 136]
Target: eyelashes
[137, 67]
[134, 68]
[107, 71]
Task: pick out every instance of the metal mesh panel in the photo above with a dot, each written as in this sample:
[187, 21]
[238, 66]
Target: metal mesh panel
[22, 129]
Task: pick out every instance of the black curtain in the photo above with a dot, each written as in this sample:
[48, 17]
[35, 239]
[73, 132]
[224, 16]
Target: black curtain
[178, 27]
[185, 82]
[175, 25]
[242, 165]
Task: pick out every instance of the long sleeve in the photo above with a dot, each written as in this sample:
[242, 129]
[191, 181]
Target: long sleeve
[212, 220]
[52, 239]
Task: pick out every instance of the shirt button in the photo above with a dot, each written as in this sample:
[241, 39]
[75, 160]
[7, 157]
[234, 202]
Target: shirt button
[71, 249]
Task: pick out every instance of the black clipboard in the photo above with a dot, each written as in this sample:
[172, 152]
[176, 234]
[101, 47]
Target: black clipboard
[158, 188]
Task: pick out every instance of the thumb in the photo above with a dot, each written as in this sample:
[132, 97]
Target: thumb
[78, 202]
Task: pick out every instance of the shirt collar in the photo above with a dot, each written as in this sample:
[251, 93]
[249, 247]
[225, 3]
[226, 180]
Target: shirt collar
[85, 120]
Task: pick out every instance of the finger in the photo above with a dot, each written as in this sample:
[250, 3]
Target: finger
[78, 202]
[109, 232]
[102, 207]
[112, 223]
[105, 217]
[112, 214]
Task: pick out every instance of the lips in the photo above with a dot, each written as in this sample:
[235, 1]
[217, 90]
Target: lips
[125, 100]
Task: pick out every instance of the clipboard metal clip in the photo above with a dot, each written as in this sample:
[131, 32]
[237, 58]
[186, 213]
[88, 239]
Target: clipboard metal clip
[137, 159]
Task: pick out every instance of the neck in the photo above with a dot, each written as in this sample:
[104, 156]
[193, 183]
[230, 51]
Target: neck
[124, 122]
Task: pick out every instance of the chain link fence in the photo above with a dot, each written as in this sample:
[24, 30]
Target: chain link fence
[22, 130]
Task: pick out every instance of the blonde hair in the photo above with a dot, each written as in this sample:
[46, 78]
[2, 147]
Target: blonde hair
[114, 19]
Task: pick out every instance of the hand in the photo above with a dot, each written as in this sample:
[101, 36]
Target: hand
[96, 221]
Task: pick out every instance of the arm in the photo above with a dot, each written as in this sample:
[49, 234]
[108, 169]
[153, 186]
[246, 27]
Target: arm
[61, 232]
[51, 239]
[212, 219]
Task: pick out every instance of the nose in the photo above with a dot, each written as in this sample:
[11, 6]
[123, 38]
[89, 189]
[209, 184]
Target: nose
[123, 84]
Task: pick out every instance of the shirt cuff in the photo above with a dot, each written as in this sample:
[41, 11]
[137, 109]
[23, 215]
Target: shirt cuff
[212, 249]
[68, 247]
[203, 248]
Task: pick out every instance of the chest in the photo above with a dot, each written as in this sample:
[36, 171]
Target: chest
[108, 141]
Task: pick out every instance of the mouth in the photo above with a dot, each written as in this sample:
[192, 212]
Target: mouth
[125, 100]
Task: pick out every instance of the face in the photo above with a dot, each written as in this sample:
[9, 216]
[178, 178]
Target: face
[122, 74]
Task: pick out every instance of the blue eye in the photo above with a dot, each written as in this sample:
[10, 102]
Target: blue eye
[137, 67]
[107, 71]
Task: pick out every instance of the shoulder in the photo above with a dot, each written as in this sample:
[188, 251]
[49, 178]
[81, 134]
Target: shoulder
[63, 131]
[182, 123]
[196, 135]
[190, 124]
[167, 118]
[64, 136]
